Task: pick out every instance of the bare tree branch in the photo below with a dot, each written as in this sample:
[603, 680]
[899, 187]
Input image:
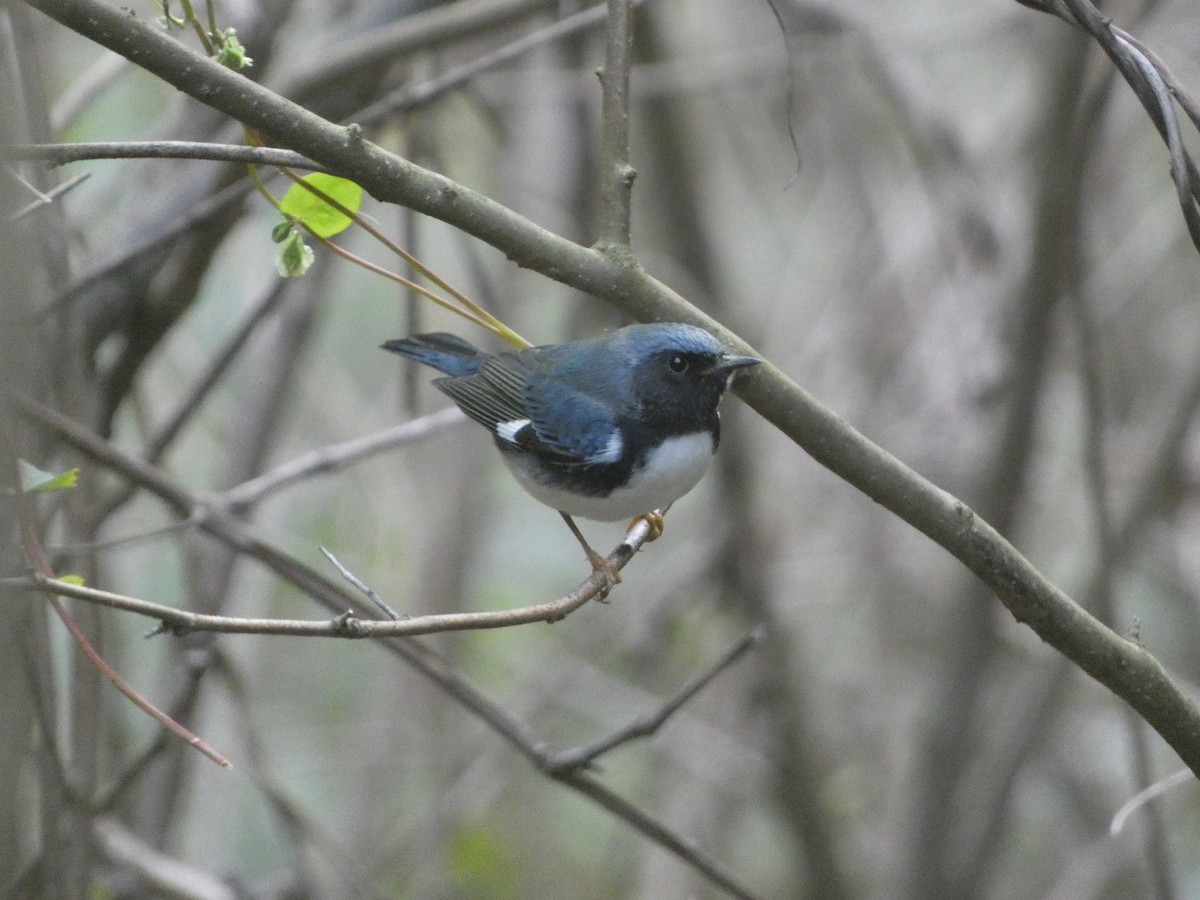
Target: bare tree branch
[412, 96]
[430, 29]
[616, 185]
[336, 457]
[649, 723]
[1153, 83]
[1125, 668]
[171, 877]
[347, 624]
[211, 517]
[50, 196]
[241, 537]
[61, 154]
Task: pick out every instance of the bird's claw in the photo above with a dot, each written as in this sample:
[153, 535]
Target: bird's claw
[656, 522]
[612, 575]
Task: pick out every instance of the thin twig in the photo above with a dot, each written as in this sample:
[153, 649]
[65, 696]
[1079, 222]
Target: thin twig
[1144, 796]
[649, 723]
[657, 832]
[413, 96]
[1099, 495]
[467, 308]
[86, 87]
[1185, 188]
[187, 219]
[1122, 666]
[346, 624]
[362, 586]
[238, 536]
[43, 572]
[62, 154]
[163, 875]
[336, 457]
[217, 367]
[135, 768]
[217, 519]
[428, 31]
[1154, 85]
[50, 196]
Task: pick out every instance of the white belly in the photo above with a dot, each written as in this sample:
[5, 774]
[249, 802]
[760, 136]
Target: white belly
[670, 472]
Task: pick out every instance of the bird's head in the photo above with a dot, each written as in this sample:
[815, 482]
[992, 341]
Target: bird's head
[677, 372]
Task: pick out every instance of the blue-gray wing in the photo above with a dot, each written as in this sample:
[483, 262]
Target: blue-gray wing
[571, 422]
[548, 417]
[491, 396]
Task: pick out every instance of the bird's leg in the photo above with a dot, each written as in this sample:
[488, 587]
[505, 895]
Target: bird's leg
[655, 519]
[599, 563]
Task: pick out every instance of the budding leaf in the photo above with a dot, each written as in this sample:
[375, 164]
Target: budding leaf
[294, 257]
[35, 481]
[230, 53]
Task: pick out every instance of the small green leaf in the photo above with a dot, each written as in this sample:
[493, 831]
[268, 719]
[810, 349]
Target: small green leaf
[76, 580]
[230, 52]
[294, 257]
[280, 232]
[305, 206]
[35, 481]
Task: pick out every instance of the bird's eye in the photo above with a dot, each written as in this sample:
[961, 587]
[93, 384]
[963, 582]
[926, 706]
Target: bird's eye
[678, 364]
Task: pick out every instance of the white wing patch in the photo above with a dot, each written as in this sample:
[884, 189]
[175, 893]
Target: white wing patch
[507, 431]
[612, 450]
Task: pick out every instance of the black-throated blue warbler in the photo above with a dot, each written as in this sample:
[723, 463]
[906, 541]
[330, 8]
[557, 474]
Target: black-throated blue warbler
[606, 428]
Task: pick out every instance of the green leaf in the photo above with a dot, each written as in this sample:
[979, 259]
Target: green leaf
[35, 481]
[280, 232]
[294, 257]
[230, 52]
[305, 206]
[76, 580]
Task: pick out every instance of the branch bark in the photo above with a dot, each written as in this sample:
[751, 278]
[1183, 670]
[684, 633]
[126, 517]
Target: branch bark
[1121, 665]
[238, 535]
[61, 154]
[616, 173]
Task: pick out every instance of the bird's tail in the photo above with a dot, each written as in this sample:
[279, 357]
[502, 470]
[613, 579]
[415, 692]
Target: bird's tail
[445, 352]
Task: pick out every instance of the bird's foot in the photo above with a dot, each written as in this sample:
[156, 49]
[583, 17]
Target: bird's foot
[612, 575]
[655, 520]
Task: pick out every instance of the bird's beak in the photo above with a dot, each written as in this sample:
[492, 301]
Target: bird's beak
[730, 363]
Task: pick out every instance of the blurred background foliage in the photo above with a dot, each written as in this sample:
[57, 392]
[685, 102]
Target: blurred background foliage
[973, 253]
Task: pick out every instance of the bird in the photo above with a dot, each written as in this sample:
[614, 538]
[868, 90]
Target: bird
[605, 428]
